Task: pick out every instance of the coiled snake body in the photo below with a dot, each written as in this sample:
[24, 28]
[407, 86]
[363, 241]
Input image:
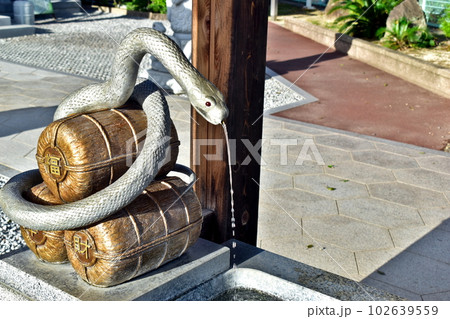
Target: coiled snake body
[203, 95]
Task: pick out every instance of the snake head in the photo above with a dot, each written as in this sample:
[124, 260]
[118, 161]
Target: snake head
[209, 102]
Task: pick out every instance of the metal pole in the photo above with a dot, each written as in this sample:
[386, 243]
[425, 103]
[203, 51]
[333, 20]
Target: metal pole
[273, 9]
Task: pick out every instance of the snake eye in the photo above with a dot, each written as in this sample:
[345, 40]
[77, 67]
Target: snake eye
[210, 101]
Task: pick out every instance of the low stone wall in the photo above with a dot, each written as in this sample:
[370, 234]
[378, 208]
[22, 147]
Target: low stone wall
[149, 15]
[426, 75]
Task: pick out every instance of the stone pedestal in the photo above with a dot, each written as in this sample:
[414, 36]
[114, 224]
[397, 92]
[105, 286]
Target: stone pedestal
[24, 277]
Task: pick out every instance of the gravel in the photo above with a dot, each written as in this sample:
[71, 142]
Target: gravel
[84, 45]
[10, 237]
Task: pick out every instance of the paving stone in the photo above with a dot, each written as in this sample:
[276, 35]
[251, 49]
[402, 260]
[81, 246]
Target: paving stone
[274, 163]
[359, 172]
[76, 82]
[378, 212]
[8, 67]
[13, 90]
[6, 132]
[276, 137]
[29, 137]
[435, 245]
[435, 163]
[344, 142]
[332, 156]
[272, 180]
[44, 73]
[304, 129]
[370, 261]
[15, 157]
[28, 118]
[407, 195]
[415, 273]
[26, 86]
[271, 219]
[401, 150]
[405, 237]
[445, 225]
[439, 296]
[403, 293]
[423, 178]
[329, 186]
[317, 254]
[295, 154]
[347, 233]
[22, 77]
[298, 203]
[384, 159]
[12, 102]
[272, 124]
[269, 148]
[45, 102]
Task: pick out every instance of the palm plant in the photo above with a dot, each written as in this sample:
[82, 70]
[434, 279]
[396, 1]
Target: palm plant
[364, 17]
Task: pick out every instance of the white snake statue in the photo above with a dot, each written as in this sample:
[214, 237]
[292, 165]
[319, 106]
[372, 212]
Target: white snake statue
[203, 95]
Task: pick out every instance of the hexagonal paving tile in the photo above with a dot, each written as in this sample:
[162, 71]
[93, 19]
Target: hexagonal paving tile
[435, 163]
[299, 203]
[407, 195]
[423, 178]
[402, 271]
[359, 172]
[434, 216]
[435, 245]
[332, 156]
[306, 167]
[273, 180]
[272, 219]
[329, 186]
[380, 212]
[369, 261]
[314, 253]
[405, 237]
[344, 142]
[347, 233]
[384, 159]
[304, 129]
[407, 150]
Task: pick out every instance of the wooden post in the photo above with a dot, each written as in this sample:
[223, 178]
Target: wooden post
[229, 48]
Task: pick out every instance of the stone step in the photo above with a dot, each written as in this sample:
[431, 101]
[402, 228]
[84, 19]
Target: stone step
[5, 20]
[9, 31]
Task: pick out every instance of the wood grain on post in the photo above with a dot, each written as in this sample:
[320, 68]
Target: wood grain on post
[229, 48]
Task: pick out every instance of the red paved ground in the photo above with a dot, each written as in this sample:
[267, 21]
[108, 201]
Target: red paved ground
[356, 97]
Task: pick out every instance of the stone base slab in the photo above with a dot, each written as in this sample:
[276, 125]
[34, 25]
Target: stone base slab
[24, 277]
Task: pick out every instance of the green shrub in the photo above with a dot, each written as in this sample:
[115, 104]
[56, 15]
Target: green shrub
[364, 17]
[445, 22]
[156, 6]
[403, 34]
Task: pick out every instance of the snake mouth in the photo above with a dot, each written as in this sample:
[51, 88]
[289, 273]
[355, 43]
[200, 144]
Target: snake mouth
[214, 116]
